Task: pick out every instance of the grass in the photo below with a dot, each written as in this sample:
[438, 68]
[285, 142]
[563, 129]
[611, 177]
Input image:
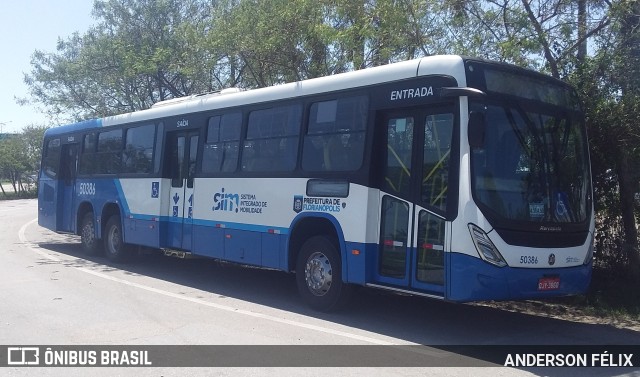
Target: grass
[30, 193]
[10, 195]
[614, 291]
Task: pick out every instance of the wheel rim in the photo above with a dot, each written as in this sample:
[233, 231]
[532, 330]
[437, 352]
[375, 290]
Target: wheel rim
[114, 240]
[318, 274]
[88, 234]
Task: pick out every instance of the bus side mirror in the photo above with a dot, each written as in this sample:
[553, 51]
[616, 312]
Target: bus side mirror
[476, 129]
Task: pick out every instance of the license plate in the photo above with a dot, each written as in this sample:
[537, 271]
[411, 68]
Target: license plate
[548, 283]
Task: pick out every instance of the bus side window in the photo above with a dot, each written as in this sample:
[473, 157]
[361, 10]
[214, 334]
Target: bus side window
[109, 152]
[272, 139]
[51, 162]
[138, 152]
[222, 145]
[335, 138]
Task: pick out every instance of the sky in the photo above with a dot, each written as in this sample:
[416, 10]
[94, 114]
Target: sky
[26, 26]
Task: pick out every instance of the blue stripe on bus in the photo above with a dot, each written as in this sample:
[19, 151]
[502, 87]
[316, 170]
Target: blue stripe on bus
[241, 226]
[123, 203]
[211, 223]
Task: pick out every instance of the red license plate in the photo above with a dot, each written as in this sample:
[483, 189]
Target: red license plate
[549, 283]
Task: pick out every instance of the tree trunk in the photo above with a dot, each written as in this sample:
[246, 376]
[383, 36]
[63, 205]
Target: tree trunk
[542, 38]
[13, 181]
[630, 84]
[582, 32]
[627, 191]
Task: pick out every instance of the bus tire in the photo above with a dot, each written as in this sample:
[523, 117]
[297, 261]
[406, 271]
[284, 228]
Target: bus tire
[319, 275]
[90, 244]
[115, 248]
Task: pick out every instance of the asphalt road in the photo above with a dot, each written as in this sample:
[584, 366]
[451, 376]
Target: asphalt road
[53, 294]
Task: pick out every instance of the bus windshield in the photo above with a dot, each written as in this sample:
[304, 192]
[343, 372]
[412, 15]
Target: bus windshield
[533, 165]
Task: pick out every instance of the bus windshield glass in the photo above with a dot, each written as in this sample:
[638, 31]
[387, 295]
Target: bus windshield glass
[533, 164]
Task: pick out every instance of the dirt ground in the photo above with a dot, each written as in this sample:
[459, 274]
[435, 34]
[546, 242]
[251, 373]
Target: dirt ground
[566, 312]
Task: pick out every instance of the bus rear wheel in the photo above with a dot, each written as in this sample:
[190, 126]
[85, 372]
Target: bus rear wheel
[90, 244]
[319, 275]
[115, 248]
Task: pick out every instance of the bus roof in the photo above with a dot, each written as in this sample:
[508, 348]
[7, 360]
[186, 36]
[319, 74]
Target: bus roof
[451, 65]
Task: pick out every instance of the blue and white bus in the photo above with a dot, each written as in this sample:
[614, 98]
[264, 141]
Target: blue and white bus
[445, 177]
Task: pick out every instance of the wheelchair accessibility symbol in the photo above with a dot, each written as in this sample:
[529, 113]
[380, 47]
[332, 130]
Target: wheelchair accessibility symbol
[562, 212]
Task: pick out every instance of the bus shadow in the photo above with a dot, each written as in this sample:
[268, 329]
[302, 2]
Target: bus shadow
[407, 318]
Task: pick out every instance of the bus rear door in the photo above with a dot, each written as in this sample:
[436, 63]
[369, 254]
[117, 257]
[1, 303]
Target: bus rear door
[56, 191]
[48, 184]
[182, 149]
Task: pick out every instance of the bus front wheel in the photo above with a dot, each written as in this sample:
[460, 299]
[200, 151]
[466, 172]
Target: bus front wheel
[115, 248]
[90, 244]
[319, 275]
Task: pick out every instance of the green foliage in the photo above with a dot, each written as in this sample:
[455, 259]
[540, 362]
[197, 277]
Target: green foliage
[131, 59]
[20, 160]
[610, 87]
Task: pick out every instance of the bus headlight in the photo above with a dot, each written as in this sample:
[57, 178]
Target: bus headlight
[487, 250]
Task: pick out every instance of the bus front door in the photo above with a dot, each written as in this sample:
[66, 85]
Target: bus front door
[183, 148]
[414, 236]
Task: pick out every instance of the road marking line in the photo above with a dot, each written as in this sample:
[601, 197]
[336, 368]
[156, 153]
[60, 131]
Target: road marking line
[236, 310]
[36, 249]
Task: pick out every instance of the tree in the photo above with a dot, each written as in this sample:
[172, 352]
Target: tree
[9, 149]
[614, 80]
[554, 35]
[31, 137]
[20, 156]
[261, 43]
[131, 59]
